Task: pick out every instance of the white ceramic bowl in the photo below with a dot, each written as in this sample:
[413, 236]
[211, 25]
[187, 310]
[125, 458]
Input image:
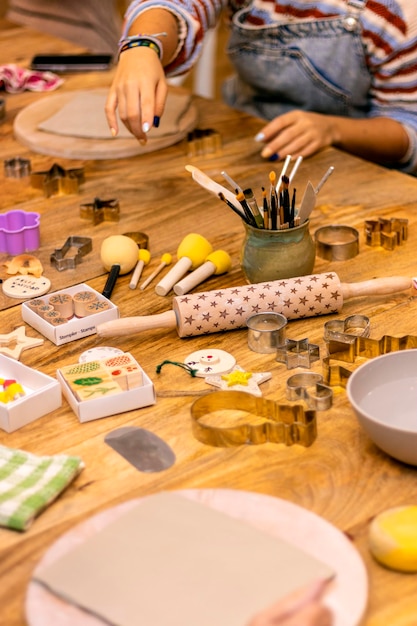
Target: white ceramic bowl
[383, 394]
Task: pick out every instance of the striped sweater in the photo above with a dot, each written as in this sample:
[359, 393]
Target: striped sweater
[389, 35]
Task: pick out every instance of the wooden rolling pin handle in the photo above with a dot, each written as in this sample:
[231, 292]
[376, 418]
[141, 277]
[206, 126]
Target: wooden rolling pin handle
[377, 286]
[130, 325]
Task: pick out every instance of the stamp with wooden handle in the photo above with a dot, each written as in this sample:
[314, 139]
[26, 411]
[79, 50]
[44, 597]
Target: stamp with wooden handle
[228, 309]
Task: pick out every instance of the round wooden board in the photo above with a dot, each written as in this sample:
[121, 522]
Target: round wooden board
[26, 131]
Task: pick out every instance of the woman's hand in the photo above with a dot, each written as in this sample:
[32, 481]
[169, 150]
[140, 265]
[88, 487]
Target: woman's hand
[138, 92]
[298, 133]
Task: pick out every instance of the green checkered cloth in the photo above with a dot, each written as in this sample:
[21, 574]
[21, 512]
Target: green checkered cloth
[28, 483]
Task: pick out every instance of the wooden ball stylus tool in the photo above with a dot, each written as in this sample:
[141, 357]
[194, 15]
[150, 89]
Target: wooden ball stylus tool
[228, 309]
[144, 256]
[166, 259]
[191, 253]
[218, 262]
[119, 255]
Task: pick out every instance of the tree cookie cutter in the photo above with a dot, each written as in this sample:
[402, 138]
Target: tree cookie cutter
[337, 242]
[387, 233]
[83, 245]
[58, 180]
[310, 387]
[100, 210]
[284, 423]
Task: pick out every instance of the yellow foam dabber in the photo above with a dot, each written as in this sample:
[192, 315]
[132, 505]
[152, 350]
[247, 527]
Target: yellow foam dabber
[144, 256]
[218, 262]
[166, 259]
[393, 538]
[191, 253]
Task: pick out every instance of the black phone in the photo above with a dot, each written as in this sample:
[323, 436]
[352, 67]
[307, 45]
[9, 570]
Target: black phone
[71, 62]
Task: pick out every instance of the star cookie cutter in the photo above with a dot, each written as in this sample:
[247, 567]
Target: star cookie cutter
[83, 245]
[100, 210]
[297, 353]
[310, 388]
[57, 180]
[387, 233]
[17, 336]
[283, 423]
[17, 167]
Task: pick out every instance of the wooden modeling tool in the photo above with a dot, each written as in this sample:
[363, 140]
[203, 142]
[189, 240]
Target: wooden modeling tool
[166, 259]
[218, 262]
[119, 255]
[191, 253]
[144, 256]
[228, 309]
[208, 183]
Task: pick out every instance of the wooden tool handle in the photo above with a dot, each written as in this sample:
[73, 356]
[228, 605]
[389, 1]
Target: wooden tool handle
[129, 325]
[175, 274]
[375, 287]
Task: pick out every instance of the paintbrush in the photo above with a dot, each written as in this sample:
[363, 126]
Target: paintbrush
[283, 172]
[234, 209]
[240, 197]
[265, 208]
[285, 205]
[273, 200]
[236, 188]
[251, 200]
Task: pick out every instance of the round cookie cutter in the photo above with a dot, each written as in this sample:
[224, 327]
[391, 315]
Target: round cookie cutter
[266, 331]
[337, 242]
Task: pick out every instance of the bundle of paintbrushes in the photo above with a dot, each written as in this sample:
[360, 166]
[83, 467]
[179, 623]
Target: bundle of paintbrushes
[278, 208]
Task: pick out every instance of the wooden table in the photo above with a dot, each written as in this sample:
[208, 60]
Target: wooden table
[342, 477]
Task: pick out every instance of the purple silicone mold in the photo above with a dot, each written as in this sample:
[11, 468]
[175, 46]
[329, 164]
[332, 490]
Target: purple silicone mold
[19, 232]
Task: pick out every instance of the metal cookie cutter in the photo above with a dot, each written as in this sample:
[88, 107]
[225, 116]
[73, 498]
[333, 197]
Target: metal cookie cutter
[337, 242]
[341, 335]
[387, 233]
[365, 347]
[58, 180]
[101, 210]
[297, 353]
[284, 423]
[17, 167]
[83, 246]
[310, 388]
[266, 331]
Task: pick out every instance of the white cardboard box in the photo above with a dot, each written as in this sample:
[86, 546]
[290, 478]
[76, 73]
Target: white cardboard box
[97, 408]
[76, 327]
[43, 395]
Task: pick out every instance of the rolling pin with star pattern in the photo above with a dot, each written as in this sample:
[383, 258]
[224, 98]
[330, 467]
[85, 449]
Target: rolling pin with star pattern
[228, 309]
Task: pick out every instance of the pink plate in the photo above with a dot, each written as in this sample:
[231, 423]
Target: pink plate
[347, 596]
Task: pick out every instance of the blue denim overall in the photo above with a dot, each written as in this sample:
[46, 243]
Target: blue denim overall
[315, 65]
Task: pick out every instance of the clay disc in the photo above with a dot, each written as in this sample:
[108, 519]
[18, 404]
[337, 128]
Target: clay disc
[21, 286]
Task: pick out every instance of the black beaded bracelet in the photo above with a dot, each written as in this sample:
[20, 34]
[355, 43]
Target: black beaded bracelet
[141, 40]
